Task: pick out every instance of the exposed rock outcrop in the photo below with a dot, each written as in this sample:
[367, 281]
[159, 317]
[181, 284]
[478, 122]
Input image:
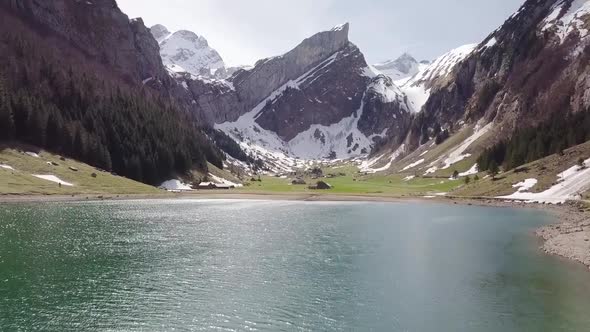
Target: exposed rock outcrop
[320, 100]
[268, 75]
[100, 30]
[535, 64]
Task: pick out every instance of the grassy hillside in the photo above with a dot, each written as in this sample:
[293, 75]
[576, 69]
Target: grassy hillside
[544, 170]
[21, 181]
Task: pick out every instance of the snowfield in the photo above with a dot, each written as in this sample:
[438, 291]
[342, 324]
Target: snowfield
[409, 178]
[367, 166]
[175, 184]
[412, 165]
[571, 20]
[472, 171]
[459, 154]
[526, 185]
[572, 182]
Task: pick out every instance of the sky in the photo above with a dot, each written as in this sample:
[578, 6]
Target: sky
[244, 31]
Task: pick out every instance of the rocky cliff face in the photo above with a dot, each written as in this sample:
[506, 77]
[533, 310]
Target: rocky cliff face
[430, 75]
[269, 74]
[534, 65]
[326, 94]
[320, 100]
[100, 30]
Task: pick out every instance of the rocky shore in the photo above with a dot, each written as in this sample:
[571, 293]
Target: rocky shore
[570, 238]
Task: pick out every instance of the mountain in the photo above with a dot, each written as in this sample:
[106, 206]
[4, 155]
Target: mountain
[401, 68]
[534, 65]
[81, 79]
[320, 100]
[417, 87]
[185, 51]
[518, 96]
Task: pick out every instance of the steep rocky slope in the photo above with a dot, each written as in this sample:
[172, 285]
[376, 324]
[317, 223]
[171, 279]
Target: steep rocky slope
[534, 66]
[320, 100]
[418, 86]
[99, 30]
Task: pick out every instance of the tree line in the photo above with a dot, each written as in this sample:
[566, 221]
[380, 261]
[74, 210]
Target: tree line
[526, 145]
[79, 114]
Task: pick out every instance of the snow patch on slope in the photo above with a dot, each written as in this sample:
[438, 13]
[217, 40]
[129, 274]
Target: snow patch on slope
[342, 138]
[459, 153]
[175, 184]
[367, 166]
[572, 183]
[472, 171]
[53, 178]
[412, 165]
[570, 21]
[526, 185]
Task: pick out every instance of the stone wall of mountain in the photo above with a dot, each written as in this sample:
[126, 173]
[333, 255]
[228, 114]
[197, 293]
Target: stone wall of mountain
[322, 94]
[101, 31]
[331, 91]
[535, 64]
[269, 74]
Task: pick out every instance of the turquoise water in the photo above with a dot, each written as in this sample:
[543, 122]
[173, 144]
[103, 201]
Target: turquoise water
[282, 266]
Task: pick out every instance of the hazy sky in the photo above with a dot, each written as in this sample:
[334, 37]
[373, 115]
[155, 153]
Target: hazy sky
[244, 31]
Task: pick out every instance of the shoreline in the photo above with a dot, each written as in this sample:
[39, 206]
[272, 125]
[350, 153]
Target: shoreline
[567, 237]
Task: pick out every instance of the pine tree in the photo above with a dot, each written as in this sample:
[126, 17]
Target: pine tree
[493, 169]
[7, 128]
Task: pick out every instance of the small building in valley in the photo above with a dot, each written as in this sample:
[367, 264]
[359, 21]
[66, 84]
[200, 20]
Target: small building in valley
[212, 186]
[321, 185]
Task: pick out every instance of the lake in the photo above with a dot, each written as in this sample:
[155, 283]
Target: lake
[231, 265]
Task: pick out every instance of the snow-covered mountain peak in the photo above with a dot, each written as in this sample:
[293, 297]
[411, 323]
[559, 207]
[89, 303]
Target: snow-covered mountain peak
[403, 67]
[187, 50]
